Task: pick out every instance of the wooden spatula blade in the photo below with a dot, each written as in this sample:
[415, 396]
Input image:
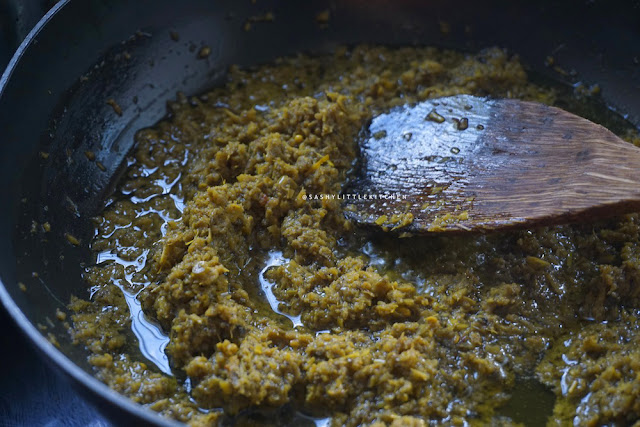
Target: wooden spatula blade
[465, 163]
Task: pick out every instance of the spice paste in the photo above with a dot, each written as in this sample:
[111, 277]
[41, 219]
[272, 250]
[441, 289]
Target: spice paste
[223, 292]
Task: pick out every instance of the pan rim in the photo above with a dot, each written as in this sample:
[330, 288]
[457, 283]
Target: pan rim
[35, 338]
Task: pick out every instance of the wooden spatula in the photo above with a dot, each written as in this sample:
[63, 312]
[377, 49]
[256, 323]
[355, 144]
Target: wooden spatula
[465, 163]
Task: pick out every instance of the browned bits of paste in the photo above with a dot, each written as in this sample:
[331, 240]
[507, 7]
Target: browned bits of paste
[116, 107]
[267, 17]
[434, 116]
[323, 17]
[204, 52]
[462, 124]
[214, 213]
[72, 239]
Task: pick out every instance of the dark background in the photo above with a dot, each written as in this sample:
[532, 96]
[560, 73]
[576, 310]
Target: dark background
[31, 392]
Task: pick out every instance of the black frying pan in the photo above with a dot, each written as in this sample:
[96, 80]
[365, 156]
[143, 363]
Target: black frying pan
[52, 100]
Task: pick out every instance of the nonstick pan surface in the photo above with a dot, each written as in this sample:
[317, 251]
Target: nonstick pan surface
[53, 109]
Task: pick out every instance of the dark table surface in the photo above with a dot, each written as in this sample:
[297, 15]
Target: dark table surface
[32, 393]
